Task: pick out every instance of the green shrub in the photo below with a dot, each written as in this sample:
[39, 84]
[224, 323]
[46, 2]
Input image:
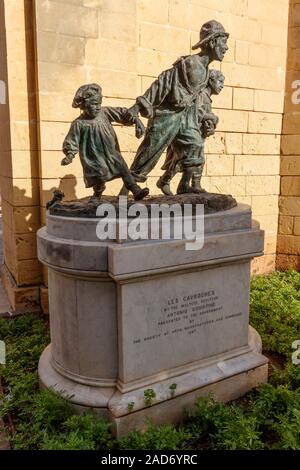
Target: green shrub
[221, 426]
[156, 438]
[80, 433]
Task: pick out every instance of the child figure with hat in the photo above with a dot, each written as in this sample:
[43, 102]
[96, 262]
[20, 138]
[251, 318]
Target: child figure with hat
[93, 137]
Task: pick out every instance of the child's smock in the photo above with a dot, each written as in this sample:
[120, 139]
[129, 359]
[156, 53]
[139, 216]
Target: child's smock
[96, 142]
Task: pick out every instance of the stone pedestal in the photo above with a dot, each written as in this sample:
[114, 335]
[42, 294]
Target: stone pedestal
[133, 320]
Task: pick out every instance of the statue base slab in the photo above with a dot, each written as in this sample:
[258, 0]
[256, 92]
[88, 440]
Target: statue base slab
[141, 329]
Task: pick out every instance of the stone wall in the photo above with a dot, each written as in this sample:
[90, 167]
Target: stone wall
[288, 247]
[123, 45]
[18, 153]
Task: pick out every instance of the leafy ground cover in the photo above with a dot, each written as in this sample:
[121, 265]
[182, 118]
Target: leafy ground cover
[266, 418]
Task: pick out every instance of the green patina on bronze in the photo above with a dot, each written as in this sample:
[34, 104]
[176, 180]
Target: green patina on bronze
[180, 118]
[172, 105]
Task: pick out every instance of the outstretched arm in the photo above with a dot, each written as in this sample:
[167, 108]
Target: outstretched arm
[71, 143]
[121, 116]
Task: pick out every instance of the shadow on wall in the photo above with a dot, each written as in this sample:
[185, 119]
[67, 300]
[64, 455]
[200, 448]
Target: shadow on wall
[67, 185]
[22, 217]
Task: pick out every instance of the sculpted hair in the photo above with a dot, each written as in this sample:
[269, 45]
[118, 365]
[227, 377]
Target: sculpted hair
[214, 74]
[84, 93]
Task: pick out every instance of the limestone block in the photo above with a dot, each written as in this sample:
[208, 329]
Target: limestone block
[116, 6]
[23, 135]
[20, 246]
[286, 225]
[262, 185]
[274, 34]
[123, 102]
[219, 165]
[199, 14]
[108, 54]
[60, 48]
[20, 191]
[22, 106]
[28, 272]
[243, 98]
[51, 167]
[21, 75]
[270, 244]
[246, 76]
[224, 99]
[265, 123]
[290, 144]
[293, 60]
[289, 244]
[215, 143]
[284, 262]
[291, 123]
[26, 246]
[232, 121]
[264, 205]
[235, 7]
[294, 37]
[22, 299]
[242, 52]
[261, 144]
[269, 11]
[21, 219]
[152, 63]
[289, 205]
[256, 164]
[163, 38]
[115, 85]
[270, 101]
[15, 13]
[295, 14]
[235, 185]
[73, 188]
[51, 102]
[58, 77]
[290, 165]
[179, 13]
[263, 55]
[118, 26]
[290, 186]
[297, 226]
[61, 18]
[6, 164]
[153, 11]
[233, 143]
[52, 134]
[268, 223]
[241, 28]
[263, 265]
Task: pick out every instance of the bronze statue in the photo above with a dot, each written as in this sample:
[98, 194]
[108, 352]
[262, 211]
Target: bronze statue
[171, 105]
[207, 122]
[93, 137]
